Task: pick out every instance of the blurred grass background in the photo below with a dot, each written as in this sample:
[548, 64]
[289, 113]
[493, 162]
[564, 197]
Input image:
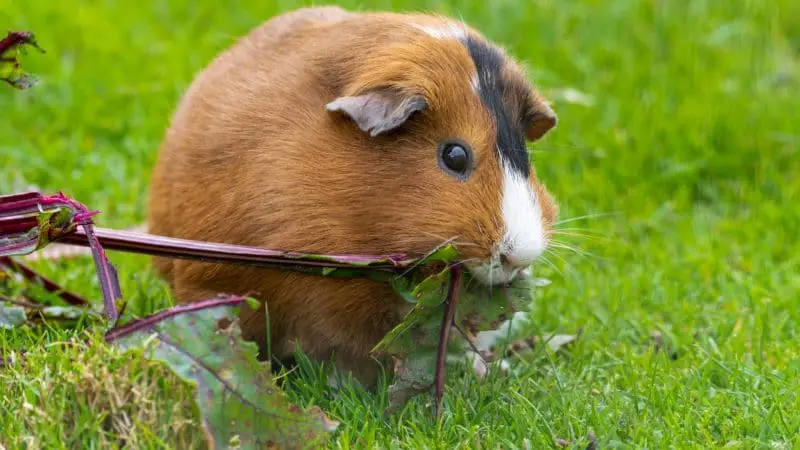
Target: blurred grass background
[677, 151]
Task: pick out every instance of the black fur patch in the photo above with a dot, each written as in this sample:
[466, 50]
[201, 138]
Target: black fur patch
[510, 136]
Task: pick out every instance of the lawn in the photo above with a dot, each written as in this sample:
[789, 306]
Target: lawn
[674, 162]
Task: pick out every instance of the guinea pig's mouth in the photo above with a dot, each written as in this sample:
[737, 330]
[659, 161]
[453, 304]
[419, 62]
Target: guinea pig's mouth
[495, 274]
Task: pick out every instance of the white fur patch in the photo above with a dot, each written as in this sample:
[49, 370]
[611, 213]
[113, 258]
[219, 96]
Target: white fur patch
[450, 30]
[524, 239]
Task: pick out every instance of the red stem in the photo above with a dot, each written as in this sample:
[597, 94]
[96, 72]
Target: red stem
[109, 283]
[13, 39]
[444, 335]
[154, 245]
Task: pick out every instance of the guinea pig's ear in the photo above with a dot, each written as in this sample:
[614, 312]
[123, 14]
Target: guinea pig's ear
[542, 120]
[379, 111]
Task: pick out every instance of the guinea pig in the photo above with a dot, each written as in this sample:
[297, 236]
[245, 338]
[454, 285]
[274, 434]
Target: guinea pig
[330, 131]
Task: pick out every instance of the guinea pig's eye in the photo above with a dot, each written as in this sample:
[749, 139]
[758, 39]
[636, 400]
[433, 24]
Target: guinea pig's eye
[455, 158]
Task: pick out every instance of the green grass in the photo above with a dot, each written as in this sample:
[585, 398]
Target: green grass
[685, 162]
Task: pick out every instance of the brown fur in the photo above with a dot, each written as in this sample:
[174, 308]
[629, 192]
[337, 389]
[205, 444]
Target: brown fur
[252, 157]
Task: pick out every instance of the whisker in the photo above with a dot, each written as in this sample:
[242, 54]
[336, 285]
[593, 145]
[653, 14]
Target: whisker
[587, 216]
[569, 266]
[437, 236]
[561, 258]
[462, 262]
[580, 252]
[453, 240]
[563, 148]
[568, 248]
[491, 282]
[465, 244]
[575, 250]
[469, 283]
[583, 239]
[573, 229]
[578, 234]
[550, 264]
[564, 244]
[420, 260]
[555, 243]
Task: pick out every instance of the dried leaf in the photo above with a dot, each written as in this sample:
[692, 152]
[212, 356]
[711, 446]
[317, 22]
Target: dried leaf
[236, 394]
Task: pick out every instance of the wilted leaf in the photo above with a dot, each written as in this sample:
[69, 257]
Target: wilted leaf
[483, 308]
[483, 313]
[412, 374]
[236, 394]
[413, 344]
[415, 353]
